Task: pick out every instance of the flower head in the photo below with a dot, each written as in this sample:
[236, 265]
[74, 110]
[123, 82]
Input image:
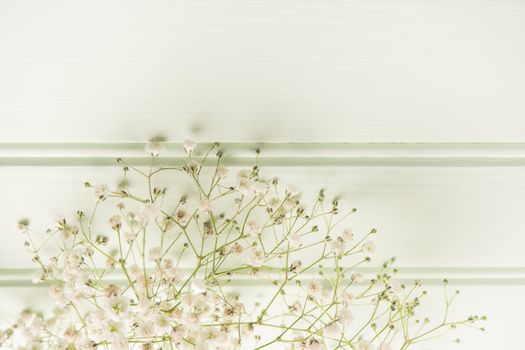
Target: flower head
[101, 192]
[189, 146]
[154, 148]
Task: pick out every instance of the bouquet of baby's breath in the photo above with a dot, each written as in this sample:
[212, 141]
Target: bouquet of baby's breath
[169, 270]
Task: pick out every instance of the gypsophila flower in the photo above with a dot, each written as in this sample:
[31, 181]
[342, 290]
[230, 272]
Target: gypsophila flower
[253, 228]
[198, 286]
[38, 277]
[101, 192]
[182, 216]
[332, 330]
[257, 258]
[339, 245]
[295, 266]
[369, 247]
[222, 171]
[189, 146]
[177, 264]
[204, 206]
[345, 317]
[294, 239]
[154, 148]
[313, 288]
[365, 345]
[259, 187]
[115, 222]
[347, 234]
[154, 254]
[237, 249]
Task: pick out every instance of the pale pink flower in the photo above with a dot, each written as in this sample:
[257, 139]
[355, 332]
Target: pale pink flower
[369, 247]
[313, 288]
[257, 258]
[115, 222]
[222, 171]
[198, 286]
[332, 330]
[347, 234]
[154, 254]
[345, 317]
[365, 345]
[253, 228]
[181, 216]
[101, 192]
[237, 249]
[204, 206]
[259, 187]
[189, 146]
[294, 239]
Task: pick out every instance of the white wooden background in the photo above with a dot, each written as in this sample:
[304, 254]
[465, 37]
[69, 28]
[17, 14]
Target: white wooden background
[412, 111]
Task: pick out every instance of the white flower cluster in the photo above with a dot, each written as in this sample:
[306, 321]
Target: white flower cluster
[161, 272]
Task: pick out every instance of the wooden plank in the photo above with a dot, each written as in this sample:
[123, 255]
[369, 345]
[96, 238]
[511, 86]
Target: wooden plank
[426, 216]
[271, 71]
[271, 154]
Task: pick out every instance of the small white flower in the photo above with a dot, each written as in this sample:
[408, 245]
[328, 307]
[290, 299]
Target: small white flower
[148, 211]
[345, 317]
[314, 344]
[119, 342]
[292, 191]
[385, 346]
[154, 254]
[101, 192]
[347, 298]
[204, 206]
[198, 286]
[369, 247]
[395, 285]
[338, 245]
[332, 330]
[189, 146]
[295, 266]
[181, 216]
[38, 277]
[296, 306]
[259, 187]
[274, 203]
[154, 148]
[357, 277]
[237, 249]
[115, 222]
[117, 307]
[55, 291]
[313, 288]
[294, 239]
[162, 323]
[253, 228]
[134, 271]
[146, 330]
[347, 234]
[365, 345]
[244, 186]
[222, 171]
[257, 258]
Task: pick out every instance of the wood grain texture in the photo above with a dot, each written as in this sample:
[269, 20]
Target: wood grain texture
[352, 81]
[426, 216]
[268, 71]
